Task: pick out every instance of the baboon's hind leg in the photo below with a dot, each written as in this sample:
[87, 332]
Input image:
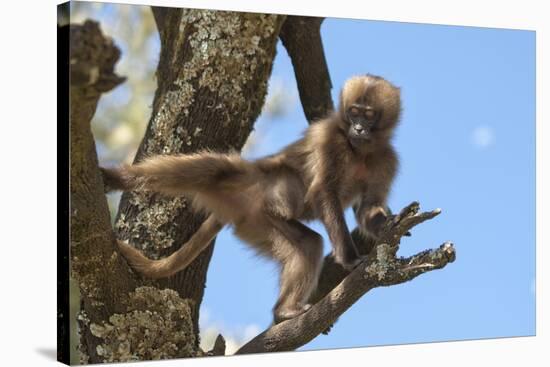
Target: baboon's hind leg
[299, 250]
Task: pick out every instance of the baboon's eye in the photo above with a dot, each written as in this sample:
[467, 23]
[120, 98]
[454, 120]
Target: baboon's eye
[354, 111]
[369, 114]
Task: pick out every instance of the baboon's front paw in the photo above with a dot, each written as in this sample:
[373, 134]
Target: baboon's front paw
[376, 223]
[327, 330]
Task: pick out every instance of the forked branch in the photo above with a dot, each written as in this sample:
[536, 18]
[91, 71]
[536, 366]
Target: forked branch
[382, 268]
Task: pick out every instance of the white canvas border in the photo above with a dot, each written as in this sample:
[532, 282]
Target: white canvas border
[28, 140]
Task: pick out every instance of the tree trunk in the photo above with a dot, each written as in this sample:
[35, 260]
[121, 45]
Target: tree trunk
[93, 261]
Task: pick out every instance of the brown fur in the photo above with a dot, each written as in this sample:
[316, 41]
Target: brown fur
[340, 161]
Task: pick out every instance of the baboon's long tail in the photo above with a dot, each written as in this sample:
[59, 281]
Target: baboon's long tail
[180, 174]
[178, 260]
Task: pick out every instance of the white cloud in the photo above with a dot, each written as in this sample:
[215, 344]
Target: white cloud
[483, 136]
[281, 98]
[204, 316]
[235, 337]
[250, 332]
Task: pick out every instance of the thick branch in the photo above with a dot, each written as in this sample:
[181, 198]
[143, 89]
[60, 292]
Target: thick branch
[92, 61]
[103, 277]
[301, 37]
[381, 270]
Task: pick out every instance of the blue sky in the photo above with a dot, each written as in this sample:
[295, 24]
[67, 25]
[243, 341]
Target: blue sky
[467, 145]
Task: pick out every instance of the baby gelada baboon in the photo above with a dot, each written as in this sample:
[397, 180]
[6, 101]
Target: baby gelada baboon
[344, 159]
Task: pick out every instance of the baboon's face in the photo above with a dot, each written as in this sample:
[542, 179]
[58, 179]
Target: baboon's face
[369, 108]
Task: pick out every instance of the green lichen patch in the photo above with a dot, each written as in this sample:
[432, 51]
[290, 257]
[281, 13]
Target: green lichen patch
[383, 263]
[227, 56]
[85, 270]
[157, 325]
[151, 226]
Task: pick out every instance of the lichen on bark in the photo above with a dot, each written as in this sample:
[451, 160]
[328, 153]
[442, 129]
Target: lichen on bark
[156, 325]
